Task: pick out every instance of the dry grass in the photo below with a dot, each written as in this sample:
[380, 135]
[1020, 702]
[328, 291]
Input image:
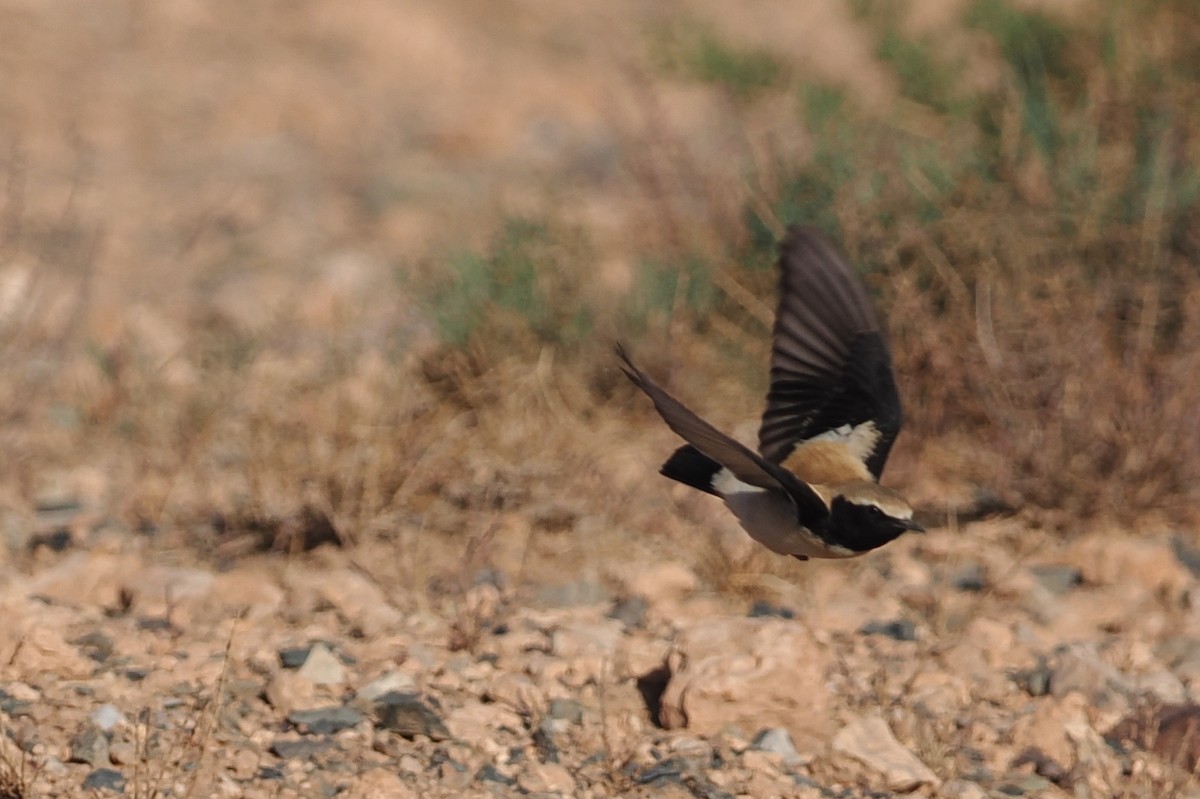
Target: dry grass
[15, 783]
[1043, 300]
[1042, 294]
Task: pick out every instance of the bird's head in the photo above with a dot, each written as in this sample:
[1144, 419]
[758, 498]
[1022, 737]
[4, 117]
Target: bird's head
[867, 515]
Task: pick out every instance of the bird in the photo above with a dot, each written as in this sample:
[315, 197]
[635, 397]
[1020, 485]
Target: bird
[832, 414]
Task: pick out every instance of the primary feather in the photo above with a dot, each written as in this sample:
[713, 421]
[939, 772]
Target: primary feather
[831, 371]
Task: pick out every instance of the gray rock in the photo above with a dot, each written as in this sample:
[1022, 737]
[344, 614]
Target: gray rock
[300, 749]
[1058, 580]
[13, 706]
[779, 741]
[293, 657]
[325, 720]
[409, 715]
[566, 710]
[1186, 554]
[105, 779]
[157, 625]
[970, 577]
[896, 629]
[683, 772]
[1042, 764]
[544, 741]
[630, 611]
[671, 771]
[322, 667]
[57, 540]
[493, 577]
[1035, 681]
[106, 717]
[90, 746]
[1079, 667]
[761, 609]
[490, 773]
[95, 645]
[392, 681]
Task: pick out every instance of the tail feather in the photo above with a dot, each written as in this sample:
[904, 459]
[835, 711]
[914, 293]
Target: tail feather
[692, 467]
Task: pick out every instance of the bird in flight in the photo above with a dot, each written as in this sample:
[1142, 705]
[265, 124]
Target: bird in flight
[812, 489]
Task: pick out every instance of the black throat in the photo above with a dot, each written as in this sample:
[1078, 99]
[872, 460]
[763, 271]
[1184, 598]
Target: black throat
[861, 527]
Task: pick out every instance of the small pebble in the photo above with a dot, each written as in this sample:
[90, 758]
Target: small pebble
[291, 749]
[544, 741]
[105, 779]
[409, 715]
[489, 773]
[630, 611]
[106, 717]
[96, 645]
[779, 741]
[897, 629]
[325, 720]
[761, 609]
[392, 681]
[322, 667]
[89, 746]
[1035, 681]
[566, 710]
[1058, 580]
[56, 541]
[293, 657]
[970, 578]
[122, 753]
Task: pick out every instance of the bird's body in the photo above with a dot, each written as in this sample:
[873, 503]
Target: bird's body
[832, 413]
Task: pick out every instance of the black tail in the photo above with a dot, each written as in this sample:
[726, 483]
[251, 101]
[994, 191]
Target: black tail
[693, 468]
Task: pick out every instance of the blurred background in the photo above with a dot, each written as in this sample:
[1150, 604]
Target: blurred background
[307, 315]
[277, 273]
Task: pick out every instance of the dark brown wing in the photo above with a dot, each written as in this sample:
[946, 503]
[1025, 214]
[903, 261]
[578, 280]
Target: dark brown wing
[830, 364]
[745, 464]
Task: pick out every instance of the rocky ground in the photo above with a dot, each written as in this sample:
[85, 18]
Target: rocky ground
[945, 665]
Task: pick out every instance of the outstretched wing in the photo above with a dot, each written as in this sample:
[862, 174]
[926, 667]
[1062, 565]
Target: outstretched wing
[745, 464]
[830, 367]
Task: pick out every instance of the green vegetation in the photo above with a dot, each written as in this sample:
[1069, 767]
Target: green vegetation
[667, 287]
[524, 281]
[695, 52]
[1033, 233]
[1035, 48]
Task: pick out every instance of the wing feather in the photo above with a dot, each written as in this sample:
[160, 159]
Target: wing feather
[830, 364]
[745, 464]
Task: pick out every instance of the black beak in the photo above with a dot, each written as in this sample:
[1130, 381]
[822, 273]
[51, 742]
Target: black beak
[912, 525]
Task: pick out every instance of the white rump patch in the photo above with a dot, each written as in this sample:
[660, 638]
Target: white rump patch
[725, 483]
